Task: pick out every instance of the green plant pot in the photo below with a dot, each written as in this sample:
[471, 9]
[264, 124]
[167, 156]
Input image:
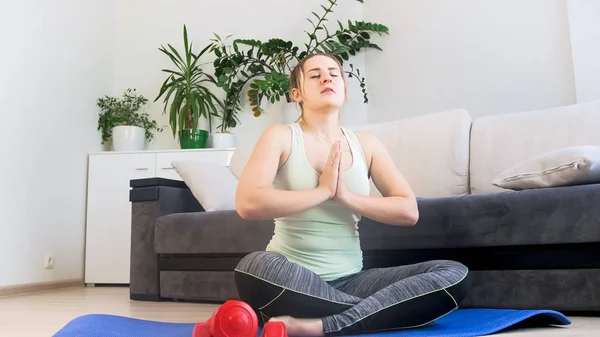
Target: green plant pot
[193, 140]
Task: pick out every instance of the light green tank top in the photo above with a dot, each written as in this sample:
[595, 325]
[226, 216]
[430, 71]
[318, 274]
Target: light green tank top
[325, 238]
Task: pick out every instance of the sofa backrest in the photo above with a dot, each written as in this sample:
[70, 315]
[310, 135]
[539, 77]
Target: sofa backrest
[499, 142]
[431, 151]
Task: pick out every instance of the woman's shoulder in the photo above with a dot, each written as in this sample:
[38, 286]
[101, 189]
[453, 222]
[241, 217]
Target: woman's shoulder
[370, 144]
[363, 136]
[277, 132]
[367, 141]
[277, 135]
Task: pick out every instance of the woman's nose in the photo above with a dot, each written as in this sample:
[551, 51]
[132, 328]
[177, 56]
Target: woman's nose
[326, 78]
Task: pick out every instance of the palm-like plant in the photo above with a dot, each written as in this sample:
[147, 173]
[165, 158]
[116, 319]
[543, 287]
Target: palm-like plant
[186, 89]
[266, 66]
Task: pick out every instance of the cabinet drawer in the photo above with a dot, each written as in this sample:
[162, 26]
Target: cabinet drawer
[142, 166]
[130, 166]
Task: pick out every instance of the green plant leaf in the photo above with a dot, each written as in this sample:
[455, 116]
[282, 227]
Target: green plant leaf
[181, 61]
[172, 72]
[173, 58]
[186, 46]
[195, 109]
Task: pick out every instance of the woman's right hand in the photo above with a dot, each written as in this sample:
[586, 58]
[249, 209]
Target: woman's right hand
[329, 177]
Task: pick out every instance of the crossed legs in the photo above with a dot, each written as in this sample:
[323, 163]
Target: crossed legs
[371, 300]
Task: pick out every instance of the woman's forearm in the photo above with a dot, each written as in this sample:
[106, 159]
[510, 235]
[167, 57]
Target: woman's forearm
[270, 203]
[396, 211]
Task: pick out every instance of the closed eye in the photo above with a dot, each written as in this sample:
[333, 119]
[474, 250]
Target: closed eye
[317, 76]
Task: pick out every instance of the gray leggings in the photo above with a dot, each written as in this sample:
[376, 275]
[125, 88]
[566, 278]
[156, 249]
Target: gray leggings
[371, 300]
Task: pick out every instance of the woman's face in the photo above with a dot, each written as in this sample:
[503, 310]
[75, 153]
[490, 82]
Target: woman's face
[323, 84]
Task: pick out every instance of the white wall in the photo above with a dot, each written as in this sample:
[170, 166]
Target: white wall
[141, 29]
[55, 62]
[489, 57]
[584, 23]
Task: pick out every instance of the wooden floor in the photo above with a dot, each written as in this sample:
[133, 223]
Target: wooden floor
[43, 314]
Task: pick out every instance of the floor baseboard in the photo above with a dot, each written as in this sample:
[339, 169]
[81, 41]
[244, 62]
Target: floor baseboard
[39, 286]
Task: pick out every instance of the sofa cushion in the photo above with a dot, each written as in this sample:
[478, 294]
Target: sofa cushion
[501, 141]
[213, 185]
[563, 167]
[431, 151]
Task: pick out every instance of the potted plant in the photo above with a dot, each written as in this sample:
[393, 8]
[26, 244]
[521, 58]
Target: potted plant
[223, 138]
[186, 96]
[265, 66]
[121, 120]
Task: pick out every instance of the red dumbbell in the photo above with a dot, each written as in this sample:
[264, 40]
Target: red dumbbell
[236, 319]
[274, 329]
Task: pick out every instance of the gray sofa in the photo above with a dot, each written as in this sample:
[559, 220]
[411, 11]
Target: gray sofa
[534, 248]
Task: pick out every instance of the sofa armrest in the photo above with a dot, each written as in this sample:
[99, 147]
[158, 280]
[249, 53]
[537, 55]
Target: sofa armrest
[150, 199]
[172, 196]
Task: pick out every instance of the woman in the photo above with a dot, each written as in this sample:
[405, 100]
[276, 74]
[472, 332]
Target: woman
[312, 177]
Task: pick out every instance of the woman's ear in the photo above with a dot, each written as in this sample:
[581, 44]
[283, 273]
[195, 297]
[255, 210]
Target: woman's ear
[296, 96]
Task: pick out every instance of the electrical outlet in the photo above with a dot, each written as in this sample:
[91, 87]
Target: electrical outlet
[49, 262]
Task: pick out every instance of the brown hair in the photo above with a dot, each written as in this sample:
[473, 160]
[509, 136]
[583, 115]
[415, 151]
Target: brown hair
[297, 76]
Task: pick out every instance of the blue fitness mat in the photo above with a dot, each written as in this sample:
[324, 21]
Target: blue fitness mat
[459, 323]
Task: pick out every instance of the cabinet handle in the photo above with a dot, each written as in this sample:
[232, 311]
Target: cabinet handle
[168, 168]
[142, 169]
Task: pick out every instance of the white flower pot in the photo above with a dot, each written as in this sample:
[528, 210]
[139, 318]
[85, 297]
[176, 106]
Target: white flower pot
[291, 112]
[128, 138]
[223, 140]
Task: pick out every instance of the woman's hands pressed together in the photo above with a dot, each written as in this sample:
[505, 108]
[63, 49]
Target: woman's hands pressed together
[397, 206]
[341, 191]
[332, 177]
[329, 177]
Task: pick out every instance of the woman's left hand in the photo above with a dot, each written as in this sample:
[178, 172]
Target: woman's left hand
[341, 191]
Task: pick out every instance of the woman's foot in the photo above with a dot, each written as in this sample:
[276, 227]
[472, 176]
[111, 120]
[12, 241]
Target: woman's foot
[301, 327]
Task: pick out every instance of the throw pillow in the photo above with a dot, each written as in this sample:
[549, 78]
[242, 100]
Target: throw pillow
[562, 167]
[211, 184]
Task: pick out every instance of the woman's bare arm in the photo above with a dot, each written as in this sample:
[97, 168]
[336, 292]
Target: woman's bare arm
[398, 205]
[256, 199]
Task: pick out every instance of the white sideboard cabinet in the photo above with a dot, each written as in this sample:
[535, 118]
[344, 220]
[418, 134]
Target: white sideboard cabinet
[108, 217]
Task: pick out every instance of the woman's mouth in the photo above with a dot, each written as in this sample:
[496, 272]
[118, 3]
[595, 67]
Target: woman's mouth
[328, 91]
